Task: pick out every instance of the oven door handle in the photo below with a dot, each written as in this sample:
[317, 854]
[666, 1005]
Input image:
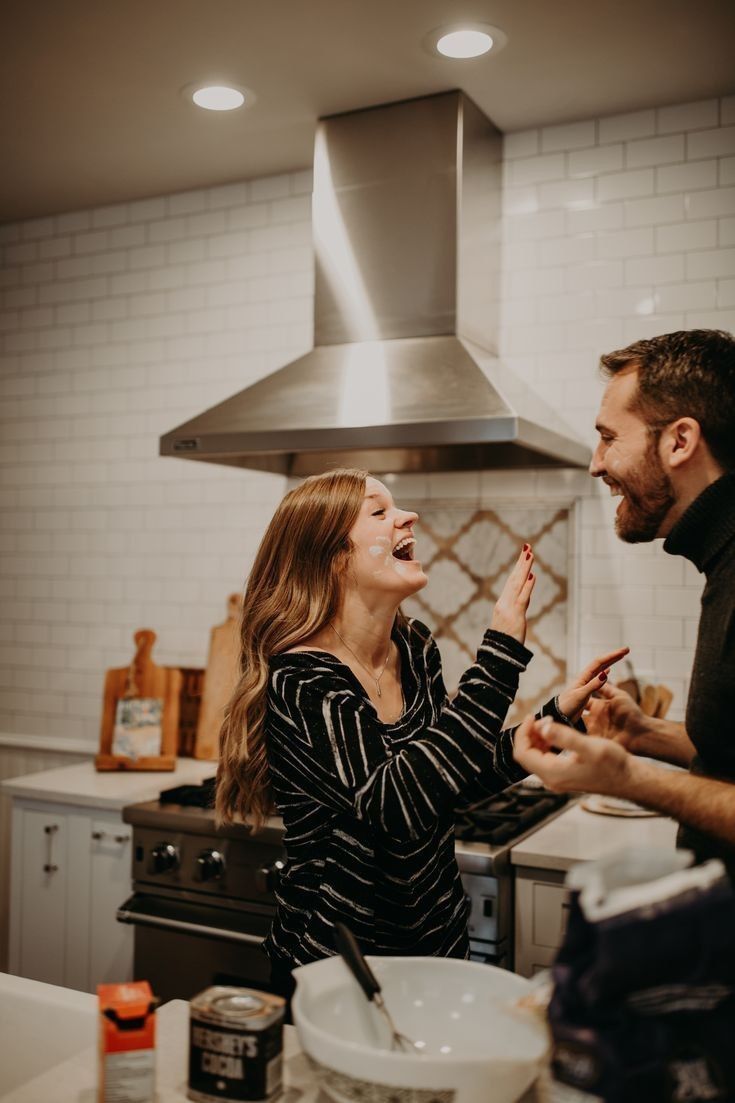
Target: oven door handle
[145, 918]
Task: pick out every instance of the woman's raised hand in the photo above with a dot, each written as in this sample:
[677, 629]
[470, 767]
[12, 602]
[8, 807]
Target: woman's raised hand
[575, 696]
[510, 611]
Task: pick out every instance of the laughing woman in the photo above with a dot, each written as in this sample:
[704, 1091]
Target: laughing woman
[341, 720]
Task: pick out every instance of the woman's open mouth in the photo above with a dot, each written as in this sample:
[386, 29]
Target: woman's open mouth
[404, 549]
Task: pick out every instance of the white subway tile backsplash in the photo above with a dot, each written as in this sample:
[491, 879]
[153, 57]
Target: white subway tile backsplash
[654, 151]
[686, 177]
[532, 170]
[35, 228]
[567, 250]
[711, 319]
[524, 143]
[117, 214]
[73, 221]
[566, 193]
[711, 204]
[594, 275]
[567, 136]
[654, 270]
[608, 216]
[269, 187]
[228, 195]
[687, 116]
[142, 257]
[712, 263]
[687, 296]
[625, 243]
[624, 302]
[625, 185]
[207, 223]
[719, 142]
[147, 210]
[651, 212]
[94, 241]
[726, 293]
[619, 128]
[55, 247]
[686, 236]
[652, 325]
[566, 308]
[123, 237]
[246, 218]
[596, 160]
[188, 202]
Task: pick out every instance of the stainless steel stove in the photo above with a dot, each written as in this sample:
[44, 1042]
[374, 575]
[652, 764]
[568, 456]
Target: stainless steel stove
[485, 834]
[203, 900]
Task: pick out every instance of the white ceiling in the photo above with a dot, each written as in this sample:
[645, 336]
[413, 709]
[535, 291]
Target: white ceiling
[91, 111]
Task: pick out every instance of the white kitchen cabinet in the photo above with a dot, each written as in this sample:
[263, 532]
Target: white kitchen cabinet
[541, 862]
[70, 871]
[541, 912]
[62, 918]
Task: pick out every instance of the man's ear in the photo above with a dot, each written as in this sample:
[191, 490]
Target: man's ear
[680, 440]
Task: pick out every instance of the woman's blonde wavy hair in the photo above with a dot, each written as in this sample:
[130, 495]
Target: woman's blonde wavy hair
[293, 591]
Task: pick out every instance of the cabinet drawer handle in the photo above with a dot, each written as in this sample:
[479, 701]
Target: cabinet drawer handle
[122, 838]
[50, 830]
[97, 835]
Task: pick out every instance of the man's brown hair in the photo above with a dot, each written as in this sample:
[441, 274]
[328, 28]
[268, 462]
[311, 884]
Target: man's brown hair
[690, 373]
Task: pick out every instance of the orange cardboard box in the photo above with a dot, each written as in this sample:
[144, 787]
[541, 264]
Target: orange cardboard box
[127, 1042]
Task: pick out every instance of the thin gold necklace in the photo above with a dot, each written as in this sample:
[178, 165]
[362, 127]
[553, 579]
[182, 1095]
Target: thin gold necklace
[362, 664]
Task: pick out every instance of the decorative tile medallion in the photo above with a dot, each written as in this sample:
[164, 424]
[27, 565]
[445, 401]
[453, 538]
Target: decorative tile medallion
[468, 554]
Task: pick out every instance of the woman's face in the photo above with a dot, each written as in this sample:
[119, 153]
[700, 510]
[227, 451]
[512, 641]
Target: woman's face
[383, 544]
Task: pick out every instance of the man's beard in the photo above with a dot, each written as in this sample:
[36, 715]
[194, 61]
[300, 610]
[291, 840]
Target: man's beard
[648, 497]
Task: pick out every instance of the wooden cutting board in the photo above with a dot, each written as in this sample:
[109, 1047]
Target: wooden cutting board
[220, 679]
[142, 679]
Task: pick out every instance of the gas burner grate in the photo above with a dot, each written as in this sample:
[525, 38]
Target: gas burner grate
[505, 816]
[191, 796]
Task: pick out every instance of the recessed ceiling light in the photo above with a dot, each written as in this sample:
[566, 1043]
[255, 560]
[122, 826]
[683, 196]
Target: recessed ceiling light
[464, 44]
[465, 41]
[218, 97]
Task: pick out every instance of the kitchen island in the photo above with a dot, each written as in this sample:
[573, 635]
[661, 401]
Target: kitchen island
[75, 1079]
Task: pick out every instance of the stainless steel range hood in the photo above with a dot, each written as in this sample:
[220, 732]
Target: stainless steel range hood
[404, 375]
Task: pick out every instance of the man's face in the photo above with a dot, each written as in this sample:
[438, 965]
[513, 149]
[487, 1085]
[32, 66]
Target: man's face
[628, 461]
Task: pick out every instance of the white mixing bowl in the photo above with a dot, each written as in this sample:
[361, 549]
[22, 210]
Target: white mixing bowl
[476, 1046]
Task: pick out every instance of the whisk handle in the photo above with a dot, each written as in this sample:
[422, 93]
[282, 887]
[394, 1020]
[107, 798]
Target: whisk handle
[352, 955]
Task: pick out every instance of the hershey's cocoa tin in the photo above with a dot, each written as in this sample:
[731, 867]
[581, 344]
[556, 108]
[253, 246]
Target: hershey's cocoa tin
[235, 1042]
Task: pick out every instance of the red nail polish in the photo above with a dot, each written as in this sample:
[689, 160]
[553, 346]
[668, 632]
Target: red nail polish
[603, 677]
[526, 547]
[528, 555]
[530, 576]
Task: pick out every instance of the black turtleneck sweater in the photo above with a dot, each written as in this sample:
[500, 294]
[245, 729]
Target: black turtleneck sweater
[705, 534]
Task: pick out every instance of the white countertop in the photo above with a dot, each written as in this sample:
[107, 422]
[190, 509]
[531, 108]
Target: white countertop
[82, 785]
[581, 836]
[75, 1080]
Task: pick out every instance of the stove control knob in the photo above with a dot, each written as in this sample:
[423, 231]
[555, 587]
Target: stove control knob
[164, 858]
[209, 866]
[268, 876]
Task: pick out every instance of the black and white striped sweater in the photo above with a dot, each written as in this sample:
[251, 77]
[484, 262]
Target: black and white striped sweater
[368, 807]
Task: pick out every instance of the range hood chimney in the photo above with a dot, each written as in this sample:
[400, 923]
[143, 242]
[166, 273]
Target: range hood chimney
[404, 375]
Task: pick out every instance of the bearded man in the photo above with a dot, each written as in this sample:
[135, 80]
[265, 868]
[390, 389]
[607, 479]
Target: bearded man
[667, 447]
